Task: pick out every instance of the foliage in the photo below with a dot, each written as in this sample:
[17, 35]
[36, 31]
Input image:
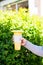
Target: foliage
[32, 27]
[1, 0]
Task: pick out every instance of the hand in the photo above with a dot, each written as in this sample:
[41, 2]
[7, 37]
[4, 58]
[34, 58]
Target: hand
[23, 41]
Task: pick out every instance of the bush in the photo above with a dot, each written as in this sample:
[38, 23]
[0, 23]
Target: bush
[33, 31]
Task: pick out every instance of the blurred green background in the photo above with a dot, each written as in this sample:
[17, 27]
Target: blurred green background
[32, 27]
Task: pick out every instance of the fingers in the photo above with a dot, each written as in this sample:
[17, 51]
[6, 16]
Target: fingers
[23, 41]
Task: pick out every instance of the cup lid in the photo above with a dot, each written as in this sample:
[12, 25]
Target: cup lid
[16, 31]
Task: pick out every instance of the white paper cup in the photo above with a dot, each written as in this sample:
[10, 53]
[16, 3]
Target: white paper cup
[17, 39]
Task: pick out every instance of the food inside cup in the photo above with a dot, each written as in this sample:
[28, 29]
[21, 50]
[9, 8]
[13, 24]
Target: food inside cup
[17, 46]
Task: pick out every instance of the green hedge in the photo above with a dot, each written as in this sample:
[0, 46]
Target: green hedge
[33, 31]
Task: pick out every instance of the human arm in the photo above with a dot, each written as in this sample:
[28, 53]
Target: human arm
[38, 50]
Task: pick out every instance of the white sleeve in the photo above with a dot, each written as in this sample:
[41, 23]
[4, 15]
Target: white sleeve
[38, 50]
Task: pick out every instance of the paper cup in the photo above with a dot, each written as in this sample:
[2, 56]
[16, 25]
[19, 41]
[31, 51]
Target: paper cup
[17, 39]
